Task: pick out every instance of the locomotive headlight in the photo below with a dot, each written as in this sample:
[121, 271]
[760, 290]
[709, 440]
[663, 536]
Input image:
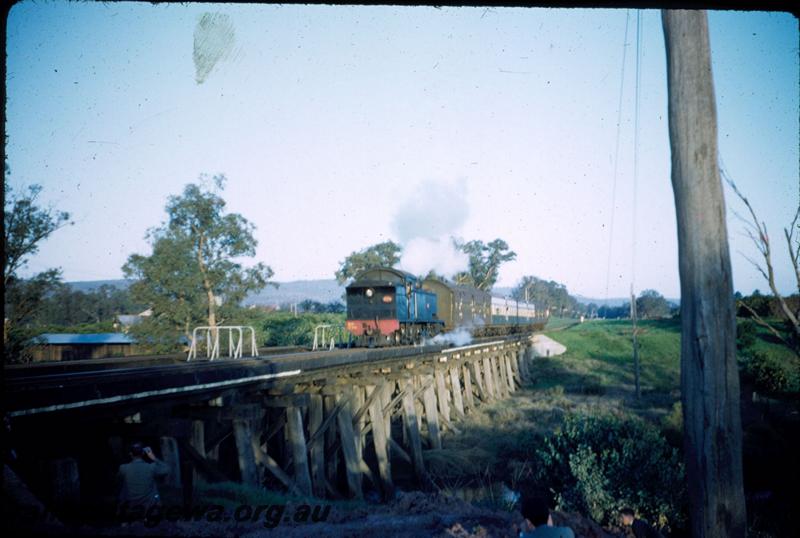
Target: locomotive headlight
[369, 292]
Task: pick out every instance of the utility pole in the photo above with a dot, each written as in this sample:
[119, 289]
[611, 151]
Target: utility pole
[709, 374]
[636, 366]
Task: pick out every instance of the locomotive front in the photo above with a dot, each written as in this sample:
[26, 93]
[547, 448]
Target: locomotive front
[388, 307]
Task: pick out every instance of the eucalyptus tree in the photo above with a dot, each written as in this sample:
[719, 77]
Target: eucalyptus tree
[484, 262]
[386, 254]
[192, 276]
[26, 223]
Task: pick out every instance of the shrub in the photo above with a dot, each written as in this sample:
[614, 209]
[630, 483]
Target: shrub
[772, 375]
[285, 329]
[672, 424]
[595, 465]
[746, 331]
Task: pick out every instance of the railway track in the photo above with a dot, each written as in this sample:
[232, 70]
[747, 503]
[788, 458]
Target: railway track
[37, 390]
[44, 388]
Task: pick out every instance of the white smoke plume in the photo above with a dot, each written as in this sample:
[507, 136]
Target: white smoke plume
[459, 337]
[421, 255]
[424, 225]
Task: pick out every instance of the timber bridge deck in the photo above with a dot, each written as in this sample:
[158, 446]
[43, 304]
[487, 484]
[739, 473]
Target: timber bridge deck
[327, 424]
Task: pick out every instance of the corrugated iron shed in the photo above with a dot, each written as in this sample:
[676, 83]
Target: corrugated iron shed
[83, 339]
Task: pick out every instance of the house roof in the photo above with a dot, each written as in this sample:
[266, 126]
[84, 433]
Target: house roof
[83, 339]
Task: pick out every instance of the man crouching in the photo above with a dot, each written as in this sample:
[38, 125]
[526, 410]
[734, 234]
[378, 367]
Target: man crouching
[138, 491]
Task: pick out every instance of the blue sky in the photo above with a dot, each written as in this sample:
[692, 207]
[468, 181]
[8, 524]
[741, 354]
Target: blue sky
[329, 121]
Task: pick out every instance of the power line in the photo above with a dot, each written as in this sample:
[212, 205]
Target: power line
[636, 142]
[634, 314]
[616, 152]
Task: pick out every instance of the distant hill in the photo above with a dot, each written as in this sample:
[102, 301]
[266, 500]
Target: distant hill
[322, 291]
[612, 302]
[615, 301]
[90, 285]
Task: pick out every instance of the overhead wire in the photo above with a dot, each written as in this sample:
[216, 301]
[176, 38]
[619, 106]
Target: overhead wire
[636, 144]
[616, 152]
[634, 314]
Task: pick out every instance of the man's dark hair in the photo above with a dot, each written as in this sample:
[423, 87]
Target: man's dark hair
[137, 450]
[535, 510]
[627, 512]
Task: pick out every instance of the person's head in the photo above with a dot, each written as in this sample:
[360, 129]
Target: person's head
[627, 515]
[137, 450]
[535, 510]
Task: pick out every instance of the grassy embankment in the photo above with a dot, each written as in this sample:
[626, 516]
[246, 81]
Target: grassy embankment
[594, 375]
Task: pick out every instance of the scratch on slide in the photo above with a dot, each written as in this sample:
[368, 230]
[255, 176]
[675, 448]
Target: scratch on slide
[214, 38]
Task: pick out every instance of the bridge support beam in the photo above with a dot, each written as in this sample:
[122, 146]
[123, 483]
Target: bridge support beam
[352, 457]
[243, 434]
[431, 413]
[317, 445]
[171, 456]
[512, 387]
[380, 440]
[500, 383]
[198, 442]
[65, 483]
[475, 368]
[442, 395]
[297, 440]
[469, 402]
[331, 463]
[488, 377]
[410, 421]
[455, 386]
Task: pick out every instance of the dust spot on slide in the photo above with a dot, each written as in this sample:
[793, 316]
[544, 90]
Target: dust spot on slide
[214, 37]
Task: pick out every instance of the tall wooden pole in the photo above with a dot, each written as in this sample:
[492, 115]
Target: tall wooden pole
[709, 376]
[636, 365]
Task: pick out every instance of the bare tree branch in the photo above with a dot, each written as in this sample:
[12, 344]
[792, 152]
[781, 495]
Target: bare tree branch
[758, 319]
[761, 241]
[794, 253]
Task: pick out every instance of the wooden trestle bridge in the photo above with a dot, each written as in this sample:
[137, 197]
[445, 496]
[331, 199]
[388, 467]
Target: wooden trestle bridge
[324, 424]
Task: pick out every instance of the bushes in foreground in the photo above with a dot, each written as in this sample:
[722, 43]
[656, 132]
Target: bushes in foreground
[596, 465]
[771, 371]
[285, 329]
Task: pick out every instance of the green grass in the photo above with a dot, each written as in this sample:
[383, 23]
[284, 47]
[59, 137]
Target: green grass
[595, 376]
[768, 344]
[559, 323]
[600, 356]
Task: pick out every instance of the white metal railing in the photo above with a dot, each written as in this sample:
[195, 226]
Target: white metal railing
[321, 333]
[235, 345]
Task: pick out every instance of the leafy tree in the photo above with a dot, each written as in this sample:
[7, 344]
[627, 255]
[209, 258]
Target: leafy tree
[614, 312]
[333, 307]
[386, 254]
[26, 224]
[651, 304]
[67, 306]
[484, 262]
[191, 277]
[546, 295]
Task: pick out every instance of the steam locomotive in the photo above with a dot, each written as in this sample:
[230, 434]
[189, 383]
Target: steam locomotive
[388, 306]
